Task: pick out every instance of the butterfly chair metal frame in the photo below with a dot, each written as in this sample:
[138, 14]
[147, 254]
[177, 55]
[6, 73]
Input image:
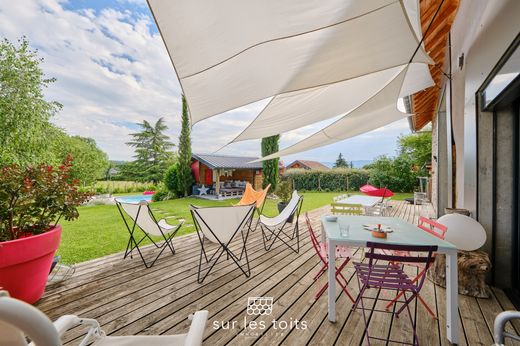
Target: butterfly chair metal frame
[242, 227]
[435, 229]
[132, 244]
[391, 276]
[321, 251]
[272, 232]
[245, 200]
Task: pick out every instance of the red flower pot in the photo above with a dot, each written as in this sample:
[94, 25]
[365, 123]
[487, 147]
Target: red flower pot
[25, 264]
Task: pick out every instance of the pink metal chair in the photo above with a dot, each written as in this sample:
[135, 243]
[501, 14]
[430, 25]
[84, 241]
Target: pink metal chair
[342, 252]
[436, 229]
[390, 276]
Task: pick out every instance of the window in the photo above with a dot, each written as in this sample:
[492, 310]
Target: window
[508, 72]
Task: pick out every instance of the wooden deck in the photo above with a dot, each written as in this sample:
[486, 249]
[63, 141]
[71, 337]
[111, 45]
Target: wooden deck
[126, 298]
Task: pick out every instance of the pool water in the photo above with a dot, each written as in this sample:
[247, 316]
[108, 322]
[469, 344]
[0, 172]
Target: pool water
[135, 199]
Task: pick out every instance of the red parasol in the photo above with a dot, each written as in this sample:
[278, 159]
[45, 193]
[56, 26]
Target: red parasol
[374, 191]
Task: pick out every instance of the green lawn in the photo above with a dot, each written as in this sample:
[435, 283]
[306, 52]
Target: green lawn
[99, 231]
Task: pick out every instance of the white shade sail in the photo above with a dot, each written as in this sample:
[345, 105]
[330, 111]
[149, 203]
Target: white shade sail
[293, 110]
[230, 53]
[379, 110]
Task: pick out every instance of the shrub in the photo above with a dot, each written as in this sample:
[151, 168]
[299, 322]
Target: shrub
[335, 179]
[171, 179]
[162, 194]
[33, 199]
[284, 190]
[150, 187]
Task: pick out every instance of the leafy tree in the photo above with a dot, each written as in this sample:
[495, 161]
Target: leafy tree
[396, 174]
[90, 163]
[24, 112]
[270, 167]
[340, 161]
[400, 174]
[184, 174]
[152, 151]
[127, 171]
[418, 147]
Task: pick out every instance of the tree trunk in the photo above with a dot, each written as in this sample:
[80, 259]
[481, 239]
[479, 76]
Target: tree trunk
[472, 269]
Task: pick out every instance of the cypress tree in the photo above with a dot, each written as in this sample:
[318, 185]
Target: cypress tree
[184, 174]
[270, 167]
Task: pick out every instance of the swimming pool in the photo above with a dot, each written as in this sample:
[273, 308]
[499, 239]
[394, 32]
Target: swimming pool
[134, 199]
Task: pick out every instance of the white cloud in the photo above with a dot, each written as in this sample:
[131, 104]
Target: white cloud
[113, 70]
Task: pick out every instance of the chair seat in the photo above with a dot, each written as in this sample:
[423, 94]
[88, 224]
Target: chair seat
[389, 276]
[272, 221]
[341, 251]
[165, 225]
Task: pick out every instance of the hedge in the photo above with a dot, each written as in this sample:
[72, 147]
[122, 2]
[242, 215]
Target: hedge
[327, 180]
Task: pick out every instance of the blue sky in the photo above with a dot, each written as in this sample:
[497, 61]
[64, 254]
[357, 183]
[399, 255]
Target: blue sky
[113, 71]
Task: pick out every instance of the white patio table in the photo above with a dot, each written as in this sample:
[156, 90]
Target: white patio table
[403, 233]
[366, 201]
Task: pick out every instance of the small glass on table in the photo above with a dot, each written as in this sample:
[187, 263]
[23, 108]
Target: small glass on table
[344, 229]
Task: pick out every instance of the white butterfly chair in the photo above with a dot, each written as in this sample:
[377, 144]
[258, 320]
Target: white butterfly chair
[144, 219]
[19, 320]
[275, 227]
[220, 225]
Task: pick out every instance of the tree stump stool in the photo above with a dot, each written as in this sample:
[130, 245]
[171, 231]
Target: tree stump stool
[472, 269]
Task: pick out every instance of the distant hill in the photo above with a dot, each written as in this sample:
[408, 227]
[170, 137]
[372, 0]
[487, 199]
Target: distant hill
[356, 163]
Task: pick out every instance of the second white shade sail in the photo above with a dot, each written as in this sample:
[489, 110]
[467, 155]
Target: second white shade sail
[294, 110]
[377, 111]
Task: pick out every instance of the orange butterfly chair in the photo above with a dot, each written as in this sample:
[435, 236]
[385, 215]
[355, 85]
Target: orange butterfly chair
[251, 196]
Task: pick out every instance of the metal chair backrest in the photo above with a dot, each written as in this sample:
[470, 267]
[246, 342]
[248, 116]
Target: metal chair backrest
[314, 239]
[432, 227]
[347, 209]
[389, 253]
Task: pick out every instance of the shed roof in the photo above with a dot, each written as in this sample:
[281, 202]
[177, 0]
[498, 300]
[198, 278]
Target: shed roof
[309, 164]
[228, 162]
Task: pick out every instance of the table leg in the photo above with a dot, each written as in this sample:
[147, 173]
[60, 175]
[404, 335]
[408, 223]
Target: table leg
[332, 281]
[452, 315]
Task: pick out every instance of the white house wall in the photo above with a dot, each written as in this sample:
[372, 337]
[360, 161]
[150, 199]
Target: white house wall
[482, 32]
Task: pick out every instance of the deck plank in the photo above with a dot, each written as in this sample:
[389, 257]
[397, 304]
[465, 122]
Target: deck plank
[475, 327]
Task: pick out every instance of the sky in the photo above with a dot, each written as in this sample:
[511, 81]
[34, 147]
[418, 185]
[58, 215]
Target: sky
[112, 71]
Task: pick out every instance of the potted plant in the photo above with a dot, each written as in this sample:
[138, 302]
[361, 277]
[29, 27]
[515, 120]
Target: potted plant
[32, 201]
[284, 192]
